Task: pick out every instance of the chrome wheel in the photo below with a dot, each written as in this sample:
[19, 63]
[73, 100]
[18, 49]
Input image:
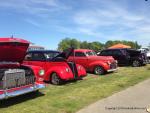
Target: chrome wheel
[99, 70]
[136, 63]
[55, 79]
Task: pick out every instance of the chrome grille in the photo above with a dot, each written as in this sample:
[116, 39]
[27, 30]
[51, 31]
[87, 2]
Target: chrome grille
[15, 78]
[113, 65]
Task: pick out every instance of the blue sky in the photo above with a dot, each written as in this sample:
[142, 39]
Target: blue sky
[47, 22]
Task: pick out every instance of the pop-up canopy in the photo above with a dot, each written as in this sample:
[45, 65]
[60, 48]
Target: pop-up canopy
[119, 46]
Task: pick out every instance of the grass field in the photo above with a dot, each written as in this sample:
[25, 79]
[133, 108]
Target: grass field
[73, 96]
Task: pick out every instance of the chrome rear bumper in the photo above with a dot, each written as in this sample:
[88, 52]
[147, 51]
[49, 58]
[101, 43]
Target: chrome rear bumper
[21, 91]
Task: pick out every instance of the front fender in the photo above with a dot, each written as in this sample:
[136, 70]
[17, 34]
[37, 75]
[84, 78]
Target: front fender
[61, 72]
[36, 69]
[98, 63]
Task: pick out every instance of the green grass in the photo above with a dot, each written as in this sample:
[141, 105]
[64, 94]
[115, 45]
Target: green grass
[73, 96]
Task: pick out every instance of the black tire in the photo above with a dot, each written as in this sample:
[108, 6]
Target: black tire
[55, 79]
[98, 70]
[136, 63]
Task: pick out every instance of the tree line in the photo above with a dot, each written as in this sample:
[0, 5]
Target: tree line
[96, 45]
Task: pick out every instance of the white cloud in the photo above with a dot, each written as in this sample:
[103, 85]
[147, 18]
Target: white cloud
[109, 19]
[33, 22]
[115, 21]
[36, 7]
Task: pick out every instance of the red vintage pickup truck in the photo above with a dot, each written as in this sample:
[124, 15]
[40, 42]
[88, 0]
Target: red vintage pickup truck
[93, 63]
[16, 78]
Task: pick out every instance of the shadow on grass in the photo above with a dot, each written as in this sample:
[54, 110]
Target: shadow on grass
[65, 82]
[19, 99]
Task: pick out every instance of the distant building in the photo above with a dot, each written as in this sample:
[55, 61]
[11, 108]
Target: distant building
[35, 47]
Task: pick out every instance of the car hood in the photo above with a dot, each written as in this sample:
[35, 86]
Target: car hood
[65, 54]
[104, 58]
[13, 49]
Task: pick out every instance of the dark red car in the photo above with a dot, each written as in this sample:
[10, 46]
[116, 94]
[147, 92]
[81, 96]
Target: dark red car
[93, 63]
[57, 68]
[16, 78]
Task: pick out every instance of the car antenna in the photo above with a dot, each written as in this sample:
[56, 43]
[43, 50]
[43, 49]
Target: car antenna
[12, 36]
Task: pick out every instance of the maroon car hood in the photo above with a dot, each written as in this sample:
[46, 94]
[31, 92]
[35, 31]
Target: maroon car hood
[104, 58]
[13, 49]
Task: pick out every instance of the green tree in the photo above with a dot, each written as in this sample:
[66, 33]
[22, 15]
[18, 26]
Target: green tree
[67, 43]
[84, 45]
[96, 46]
[91, 45]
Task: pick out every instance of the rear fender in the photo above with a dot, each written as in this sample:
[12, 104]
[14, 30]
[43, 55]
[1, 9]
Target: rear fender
[81, 70]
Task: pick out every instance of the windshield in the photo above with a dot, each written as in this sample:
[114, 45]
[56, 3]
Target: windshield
[51, 55]
[91, 53]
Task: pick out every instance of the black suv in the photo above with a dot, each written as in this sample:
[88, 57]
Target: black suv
[126, 56]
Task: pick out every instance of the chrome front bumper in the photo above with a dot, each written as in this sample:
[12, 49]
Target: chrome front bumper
[21, 91]
[111, 70]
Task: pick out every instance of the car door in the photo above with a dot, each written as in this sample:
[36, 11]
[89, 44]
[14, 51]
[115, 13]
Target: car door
[80, 58]
[119, 56]
[38, 59]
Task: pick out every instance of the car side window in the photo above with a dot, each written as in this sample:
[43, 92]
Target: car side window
[79, 54]
[117, 52]
[28, 57]
[104, 53]
[107, 53]
[38, 57]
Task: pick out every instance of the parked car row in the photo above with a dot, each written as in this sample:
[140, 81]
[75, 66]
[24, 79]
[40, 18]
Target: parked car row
[23, 71]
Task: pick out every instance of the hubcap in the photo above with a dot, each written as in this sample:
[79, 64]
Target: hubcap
[55, 79]
[136, 63]
[98, 70]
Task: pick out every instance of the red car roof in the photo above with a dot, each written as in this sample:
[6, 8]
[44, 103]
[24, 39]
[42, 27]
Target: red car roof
[82, 50]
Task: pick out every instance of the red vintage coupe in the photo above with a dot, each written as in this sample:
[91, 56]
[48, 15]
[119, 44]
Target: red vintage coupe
[16, 78]
[57, 68]
[93, 63]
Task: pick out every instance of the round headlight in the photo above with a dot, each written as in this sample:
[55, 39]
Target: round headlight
[108, 62]
[67, 69]
[41, 72]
